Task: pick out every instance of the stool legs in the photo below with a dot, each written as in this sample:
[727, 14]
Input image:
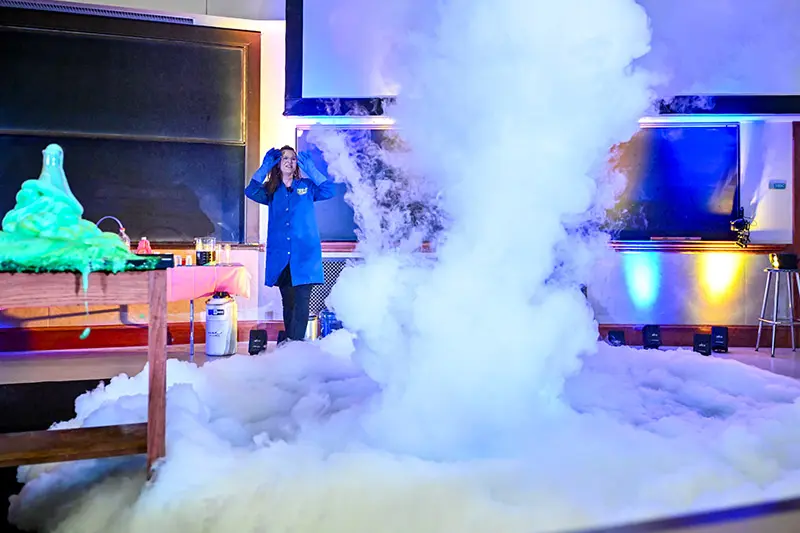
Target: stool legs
[763, 309]
[791, 297]
[792, 285]
[191, 331]
[789, 287]
[775, 311]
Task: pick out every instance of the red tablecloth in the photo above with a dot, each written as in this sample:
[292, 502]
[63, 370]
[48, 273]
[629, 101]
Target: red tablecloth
[192, 282]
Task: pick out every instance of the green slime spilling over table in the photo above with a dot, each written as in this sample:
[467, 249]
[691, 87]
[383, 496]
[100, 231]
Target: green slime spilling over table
[45, 232]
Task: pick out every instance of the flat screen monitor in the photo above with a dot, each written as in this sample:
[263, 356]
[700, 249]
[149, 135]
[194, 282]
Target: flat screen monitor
[682, 182]
[375, 156]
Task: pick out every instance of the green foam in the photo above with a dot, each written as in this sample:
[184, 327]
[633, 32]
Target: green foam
[45, 232]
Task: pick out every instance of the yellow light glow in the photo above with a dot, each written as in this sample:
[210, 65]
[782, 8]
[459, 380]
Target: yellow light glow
[720, 274]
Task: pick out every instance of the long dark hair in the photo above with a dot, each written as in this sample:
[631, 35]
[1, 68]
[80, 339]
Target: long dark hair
[275, 175]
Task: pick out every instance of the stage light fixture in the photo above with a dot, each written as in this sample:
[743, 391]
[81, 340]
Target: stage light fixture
[616, 338]
[258, 341]
[651, 336]
[719, 339]
[783, 261]
[702, 344]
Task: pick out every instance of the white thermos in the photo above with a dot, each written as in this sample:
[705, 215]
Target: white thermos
[221, 325]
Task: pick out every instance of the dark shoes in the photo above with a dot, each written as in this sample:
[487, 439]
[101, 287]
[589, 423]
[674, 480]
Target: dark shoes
[283, 339]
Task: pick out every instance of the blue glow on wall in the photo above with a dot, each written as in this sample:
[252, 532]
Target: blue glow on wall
[642, 277]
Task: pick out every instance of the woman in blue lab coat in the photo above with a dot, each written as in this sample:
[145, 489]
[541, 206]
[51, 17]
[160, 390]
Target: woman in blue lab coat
[294, 250]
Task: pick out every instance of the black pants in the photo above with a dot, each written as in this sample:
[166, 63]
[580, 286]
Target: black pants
[296, 302]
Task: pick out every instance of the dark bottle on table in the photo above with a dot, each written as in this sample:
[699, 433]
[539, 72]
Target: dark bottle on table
[204, 257]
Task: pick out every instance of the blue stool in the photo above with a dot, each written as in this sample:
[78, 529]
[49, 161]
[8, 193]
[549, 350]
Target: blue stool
[792, 284]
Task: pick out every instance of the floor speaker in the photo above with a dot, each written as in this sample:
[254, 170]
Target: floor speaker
[258, 341]
[616, 338]
[651, 337]
[702, 343]
[719, 339]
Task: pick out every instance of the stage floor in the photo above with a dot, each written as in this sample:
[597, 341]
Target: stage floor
[77, 369]
[36, 367]
[80, 365]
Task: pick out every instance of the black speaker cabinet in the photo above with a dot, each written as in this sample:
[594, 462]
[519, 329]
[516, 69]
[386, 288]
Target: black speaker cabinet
[719, 339]
[258, 341]
[651, 337]
[702, 343]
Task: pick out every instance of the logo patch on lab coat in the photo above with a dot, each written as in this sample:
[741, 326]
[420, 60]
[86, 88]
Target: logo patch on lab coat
[302, 191]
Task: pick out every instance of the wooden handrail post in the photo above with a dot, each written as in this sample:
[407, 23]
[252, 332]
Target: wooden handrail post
[157, 362]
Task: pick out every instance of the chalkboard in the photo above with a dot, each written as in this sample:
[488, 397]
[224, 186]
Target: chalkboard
[85, 83]
[158, 121]
[163, 191]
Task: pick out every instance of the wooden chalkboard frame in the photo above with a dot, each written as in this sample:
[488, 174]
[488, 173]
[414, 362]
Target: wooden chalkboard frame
[248, 41]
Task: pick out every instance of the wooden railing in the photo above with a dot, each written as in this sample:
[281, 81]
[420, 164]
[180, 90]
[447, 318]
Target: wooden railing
[42, 290]
[778, 516]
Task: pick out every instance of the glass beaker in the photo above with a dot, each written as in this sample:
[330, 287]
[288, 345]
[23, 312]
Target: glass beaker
[204, 249]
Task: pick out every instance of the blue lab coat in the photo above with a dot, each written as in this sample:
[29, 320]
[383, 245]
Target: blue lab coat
[292, 234]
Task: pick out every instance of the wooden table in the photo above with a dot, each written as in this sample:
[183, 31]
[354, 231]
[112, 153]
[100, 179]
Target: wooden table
[43, 290]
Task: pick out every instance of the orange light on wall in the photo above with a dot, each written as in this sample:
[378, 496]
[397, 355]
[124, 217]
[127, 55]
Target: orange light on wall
[720, 275]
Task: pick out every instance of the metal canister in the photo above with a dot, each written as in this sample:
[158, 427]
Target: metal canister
[312, 329]
[327, 322]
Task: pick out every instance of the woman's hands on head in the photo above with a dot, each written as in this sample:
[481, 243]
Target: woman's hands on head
[304, 161]
[271, 158]
[307, 166]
